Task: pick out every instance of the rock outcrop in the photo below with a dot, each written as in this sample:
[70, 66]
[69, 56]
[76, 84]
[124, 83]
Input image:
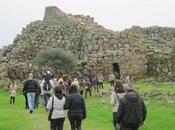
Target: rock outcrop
[127, 52]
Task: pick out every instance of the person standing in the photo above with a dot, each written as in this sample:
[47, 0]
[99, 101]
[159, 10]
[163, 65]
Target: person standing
[82, 86]
[25, 96]
[42, 93]
[55, 106]
[46, 88]
[112, 79]
[116, 95]
[76, 108]
[12, 91]
[132, 110]
[127, 78]
[30, 87]
[100, 80]
[55, 82]
[37, 94]
[88, 87]
[76, 83]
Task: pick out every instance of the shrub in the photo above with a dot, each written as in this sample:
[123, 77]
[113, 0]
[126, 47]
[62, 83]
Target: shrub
[56, 58]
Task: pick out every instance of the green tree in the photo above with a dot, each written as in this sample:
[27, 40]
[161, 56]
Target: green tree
[56, 58]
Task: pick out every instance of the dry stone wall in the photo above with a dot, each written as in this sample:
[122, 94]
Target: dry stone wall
[162, 66]
[90, 43]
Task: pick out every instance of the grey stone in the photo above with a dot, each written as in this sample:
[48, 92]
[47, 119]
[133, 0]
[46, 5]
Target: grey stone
[89, 41]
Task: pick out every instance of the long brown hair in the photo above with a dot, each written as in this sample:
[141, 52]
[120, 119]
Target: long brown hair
[119, 88]
[58, 90]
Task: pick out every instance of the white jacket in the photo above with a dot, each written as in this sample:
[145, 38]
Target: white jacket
[58, 107]
[115, 100]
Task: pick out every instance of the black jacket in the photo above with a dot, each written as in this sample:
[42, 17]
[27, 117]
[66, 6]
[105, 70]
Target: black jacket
[75, 104]
[132, 110]
[31, 86]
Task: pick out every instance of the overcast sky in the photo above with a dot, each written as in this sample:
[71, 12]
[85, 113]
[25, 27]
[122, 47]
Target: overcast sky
[112, 14]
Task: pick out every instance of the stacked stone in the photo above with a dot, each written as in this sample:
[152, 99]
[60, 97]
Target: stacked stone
[89, 42]
[162, 66]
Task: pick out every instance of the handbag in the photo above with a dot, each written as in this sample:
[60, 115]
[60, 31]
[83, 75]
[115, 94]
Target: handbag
[50, 112]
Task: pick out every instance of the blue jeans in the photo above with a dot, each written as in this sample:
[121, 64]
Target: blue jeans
[36, 100]
[31, 100]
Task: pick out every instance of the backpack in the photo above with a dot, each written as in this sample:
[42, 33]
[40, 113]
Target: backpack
[47, 86]
[134, 113]
[47, 77]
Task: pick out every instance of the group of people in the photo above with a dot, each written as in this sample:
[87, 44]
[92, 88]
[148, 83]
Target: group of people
[75, 105]
[129, 110]
[86, 83]
[56, 105]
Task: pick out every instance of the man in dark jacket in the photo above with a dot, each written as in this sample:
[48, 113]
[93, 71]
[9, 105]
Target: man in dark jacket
[30, 88]
[76, 108]
[132, 111]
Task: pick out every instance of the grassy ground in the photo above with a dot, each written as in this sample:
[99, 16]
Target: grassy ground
[163, 87]
[16, 117]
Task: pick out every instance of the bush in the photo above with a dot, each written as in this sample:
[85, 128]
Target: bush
[56, 58]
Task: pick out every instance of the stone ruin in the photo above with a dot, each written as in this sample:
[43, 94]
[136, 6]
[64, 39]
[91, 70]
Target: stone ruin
[131, 51]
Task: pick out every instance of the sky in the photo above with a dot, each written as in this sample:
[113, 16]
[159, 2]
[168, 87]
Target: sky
[116, 15]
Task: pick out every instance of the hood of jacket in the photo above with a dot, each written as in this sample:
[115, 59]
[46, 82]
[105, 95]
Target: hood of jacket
[132, 96]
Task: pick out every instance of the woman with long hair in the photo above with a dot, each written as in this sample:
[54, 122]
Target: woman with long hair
[116, 95]
[55, 106]
[76, 108]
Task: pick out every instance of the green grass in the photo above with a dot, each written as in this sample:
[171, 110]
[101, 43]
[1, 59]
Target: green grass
[16, 117]
[161, 116]
[163, 87]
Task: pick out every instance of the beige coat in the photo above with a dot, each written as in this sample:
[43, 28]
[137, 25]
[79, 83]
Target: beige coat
[12, 90]
[115, 100]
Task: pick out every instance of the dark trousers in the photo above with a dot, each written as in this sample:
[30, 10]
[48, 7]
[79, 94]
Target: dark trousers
[99, 85]
[75, 121]
[87, 90]
[81, 92]
[12, 99]
[115, 120]
[46, 98]
[57, 124]
[26, 101]
[112, 83]
[131, 128]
